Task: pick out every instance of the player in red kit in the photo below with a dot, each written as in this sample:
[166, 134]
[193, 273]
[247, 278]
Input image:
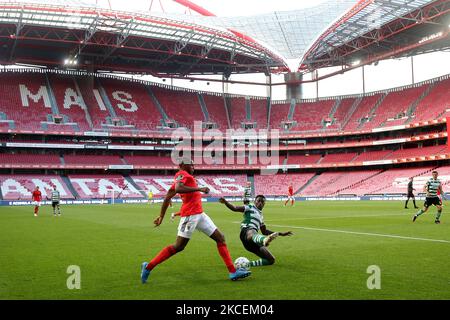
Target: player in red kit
[192, 218]
[290, 196]
[36, 197]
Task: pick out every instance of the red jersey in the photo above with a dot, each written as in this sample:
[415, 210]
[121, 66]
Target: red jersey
[192, 201]
[290, 190]
[37, 195]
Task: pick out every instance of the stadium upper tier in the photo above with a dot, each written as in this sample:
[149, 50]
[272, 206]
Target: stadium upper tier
[71, 103]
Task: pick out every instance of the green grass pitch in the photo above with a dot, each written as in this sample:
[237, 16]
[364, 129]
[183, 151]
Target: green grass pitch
[327, 257]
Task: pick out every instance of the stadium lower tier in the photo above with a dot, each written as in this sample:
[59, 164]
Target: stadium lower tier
[361, 182]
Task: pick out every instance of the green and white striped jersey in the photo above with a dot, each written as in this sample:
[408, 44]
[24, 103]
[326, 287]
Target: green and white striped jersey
[55, 196]
[433, 186]
[253, 218]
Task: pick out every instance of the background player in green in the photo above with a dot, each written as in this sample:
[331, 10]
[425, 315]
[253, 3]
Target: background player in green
[248, 193]
[432, 187]
[252, 223]
[56, 197]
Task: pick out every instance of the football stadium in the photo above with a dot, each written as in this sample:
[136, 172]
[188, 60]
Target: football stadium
[307, 139]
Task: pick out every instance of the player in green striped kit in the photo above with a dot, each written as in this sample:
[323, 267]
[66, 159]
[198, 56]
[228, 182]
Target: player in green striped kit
[252, 223]
[432, 187]
[56, 197]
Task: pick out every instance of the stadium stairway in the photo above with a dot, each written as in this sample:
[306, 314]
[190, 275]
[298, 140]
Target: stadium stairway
[4, 119]
[359, 182]
[333, 110]
[86, 111]
[292, 109]
[350, 112]
[131, 181]
[53, 103]
[92, 101]
[203, 106]
[414, 105]
[69, 186]
[164, 117]
[307, 183]
[227, 105]
[248, 109]
[373, 110]
[269, 103]
[252, 181]
[105, 99]
[269, 111]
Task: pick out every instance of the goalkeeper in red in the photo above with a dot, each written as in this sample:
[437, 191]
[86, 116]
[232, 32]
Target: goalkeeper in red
[252, 223]
[192, 218]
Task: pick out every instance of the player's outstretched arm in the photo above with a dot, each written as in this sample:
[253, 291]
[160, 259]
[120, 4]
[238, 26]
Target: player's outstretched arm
[232, 207]
[181, 188]
[267, 232]
[169, 195]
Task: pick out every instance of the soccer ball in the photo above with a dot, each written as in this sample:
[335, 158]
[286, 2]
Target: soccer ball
[242, 263]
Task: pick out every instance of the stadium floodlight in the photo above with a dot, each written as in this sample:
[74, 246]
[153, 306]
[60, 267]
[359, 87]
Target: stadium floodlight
[70, 61]
[431, 37]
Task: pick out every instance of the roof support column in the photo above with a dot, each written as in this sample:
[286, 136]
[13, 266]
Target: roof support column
[225, 83]
[363, 74]
[269, 85]
[293, 87]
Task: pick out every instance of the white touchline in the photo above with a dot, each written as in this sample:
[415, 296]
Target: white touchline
[359, 233]
[338, 217]
[364, 233]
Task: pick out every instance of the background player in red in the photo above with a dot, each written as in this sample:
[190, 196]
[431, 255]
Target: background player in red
[36, 197]
[192, 218]
[290, 195]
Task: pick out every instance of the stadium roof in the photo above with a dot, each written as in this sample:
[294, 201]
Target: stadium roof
[377, 29]
[345, 33]
[103, 39]
[290, 33]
